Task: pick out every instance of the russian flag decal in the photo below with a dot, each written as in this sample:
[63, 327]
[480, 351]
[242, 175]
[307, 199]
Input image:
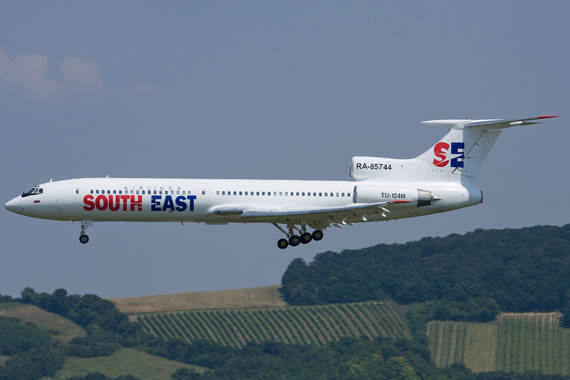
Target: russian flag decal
[36, 201]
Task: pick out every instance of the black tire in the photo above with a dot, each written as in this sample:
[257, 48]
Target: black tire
[282, 243]
[294, 241]
[317, 235]
[83, 239]
[306, 238]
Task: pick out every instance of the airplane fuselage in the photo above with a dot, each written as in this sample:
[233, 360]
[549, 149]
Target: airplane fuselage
[196, 200]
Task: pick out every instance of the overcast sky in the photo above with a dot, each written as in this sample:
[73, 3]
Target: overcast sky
[264, 90]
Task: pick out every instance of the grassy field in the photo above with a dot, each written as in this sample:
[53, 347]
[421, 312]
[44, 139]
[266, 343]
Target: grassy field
[9, 305]
[515, 342]
[260, 297]
[123, 362]
[305, 325]
[66, 329]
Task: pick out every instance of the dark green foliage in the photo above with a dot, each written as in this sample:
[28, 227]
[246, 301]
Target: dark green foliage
[97, 343]
[33, 364]
[17, 337]
[89, 310]
[106, 326]
[515, 269]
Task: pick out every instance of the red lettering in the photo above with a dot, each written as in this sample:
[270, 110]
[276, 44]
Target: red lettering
[125, 199]
[440, 159]
[116, 205]
[137, 202]
[101, 202]
[89, 204]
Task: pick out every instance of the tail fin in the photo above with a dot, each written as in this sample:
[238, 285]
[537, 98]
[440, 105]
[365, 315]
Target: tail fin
[457, 156]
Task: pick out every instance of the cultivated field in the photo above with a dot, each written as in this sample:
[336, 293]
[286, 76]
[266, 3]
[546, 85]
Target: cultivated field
[533, 341]
[515, 342]
[304, 324]
[260, 297]
[473, 344]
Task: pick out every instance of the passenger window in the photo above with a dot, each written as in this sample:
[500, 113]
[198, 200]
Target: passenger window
[337, 194]
[343, 194]
[280, 193]
[263, 193]
[91, 191]
[76, 191]
[269, 193]
[320, 194]
[96, 191]
[203, 192]
[235, 193]
[41, 191]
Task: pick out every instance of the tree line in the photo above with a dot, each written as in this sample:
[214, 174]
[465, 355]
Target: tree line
[465, 277]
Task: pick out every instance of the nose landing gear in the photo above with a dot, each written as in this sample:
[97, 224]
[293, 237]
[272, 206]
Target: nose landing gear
[294, 240]
[83, 238]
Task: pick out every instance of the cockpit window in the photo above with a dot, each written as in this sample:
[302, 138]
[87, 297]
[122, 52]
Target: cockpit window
[33, 191]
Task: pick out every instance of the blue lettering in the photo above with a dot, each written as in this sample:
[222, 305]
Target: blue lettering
[168, 204]
[155, 202]
[181, 203]
[192, 198]
[457, 148]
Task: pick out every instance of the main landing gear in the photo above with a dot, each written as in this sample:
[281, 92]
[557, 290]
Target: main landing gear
[83, 238]
[294, 240]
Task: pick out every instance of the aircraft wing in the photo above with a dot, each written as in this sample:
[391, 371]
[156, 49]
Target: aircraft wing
[325, 216]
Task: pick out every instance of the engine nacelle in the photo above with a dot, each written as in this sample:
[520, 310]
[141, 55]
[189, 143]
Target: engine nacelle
[389, 193]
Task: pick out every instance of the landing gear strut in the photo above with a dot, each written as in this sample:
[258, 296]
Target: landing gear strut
[83, 238]
[294, 240]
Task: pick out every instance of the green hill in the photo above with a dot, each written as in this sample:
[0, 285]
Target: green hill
[125, 361]
[66, 330]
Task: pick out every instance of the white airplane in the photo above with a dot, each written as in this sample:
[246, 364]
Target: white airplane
[440, 179]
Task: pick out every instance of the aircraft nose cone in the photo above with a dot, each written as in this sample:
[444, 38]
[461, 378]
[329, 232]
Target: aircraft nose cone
[15, 205]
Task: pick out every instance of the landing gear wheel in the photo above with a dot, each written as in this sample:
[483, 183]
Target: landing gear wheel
[84, 239]
[294, 241]
[282, 243]
[317, 235]
[306, 238]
